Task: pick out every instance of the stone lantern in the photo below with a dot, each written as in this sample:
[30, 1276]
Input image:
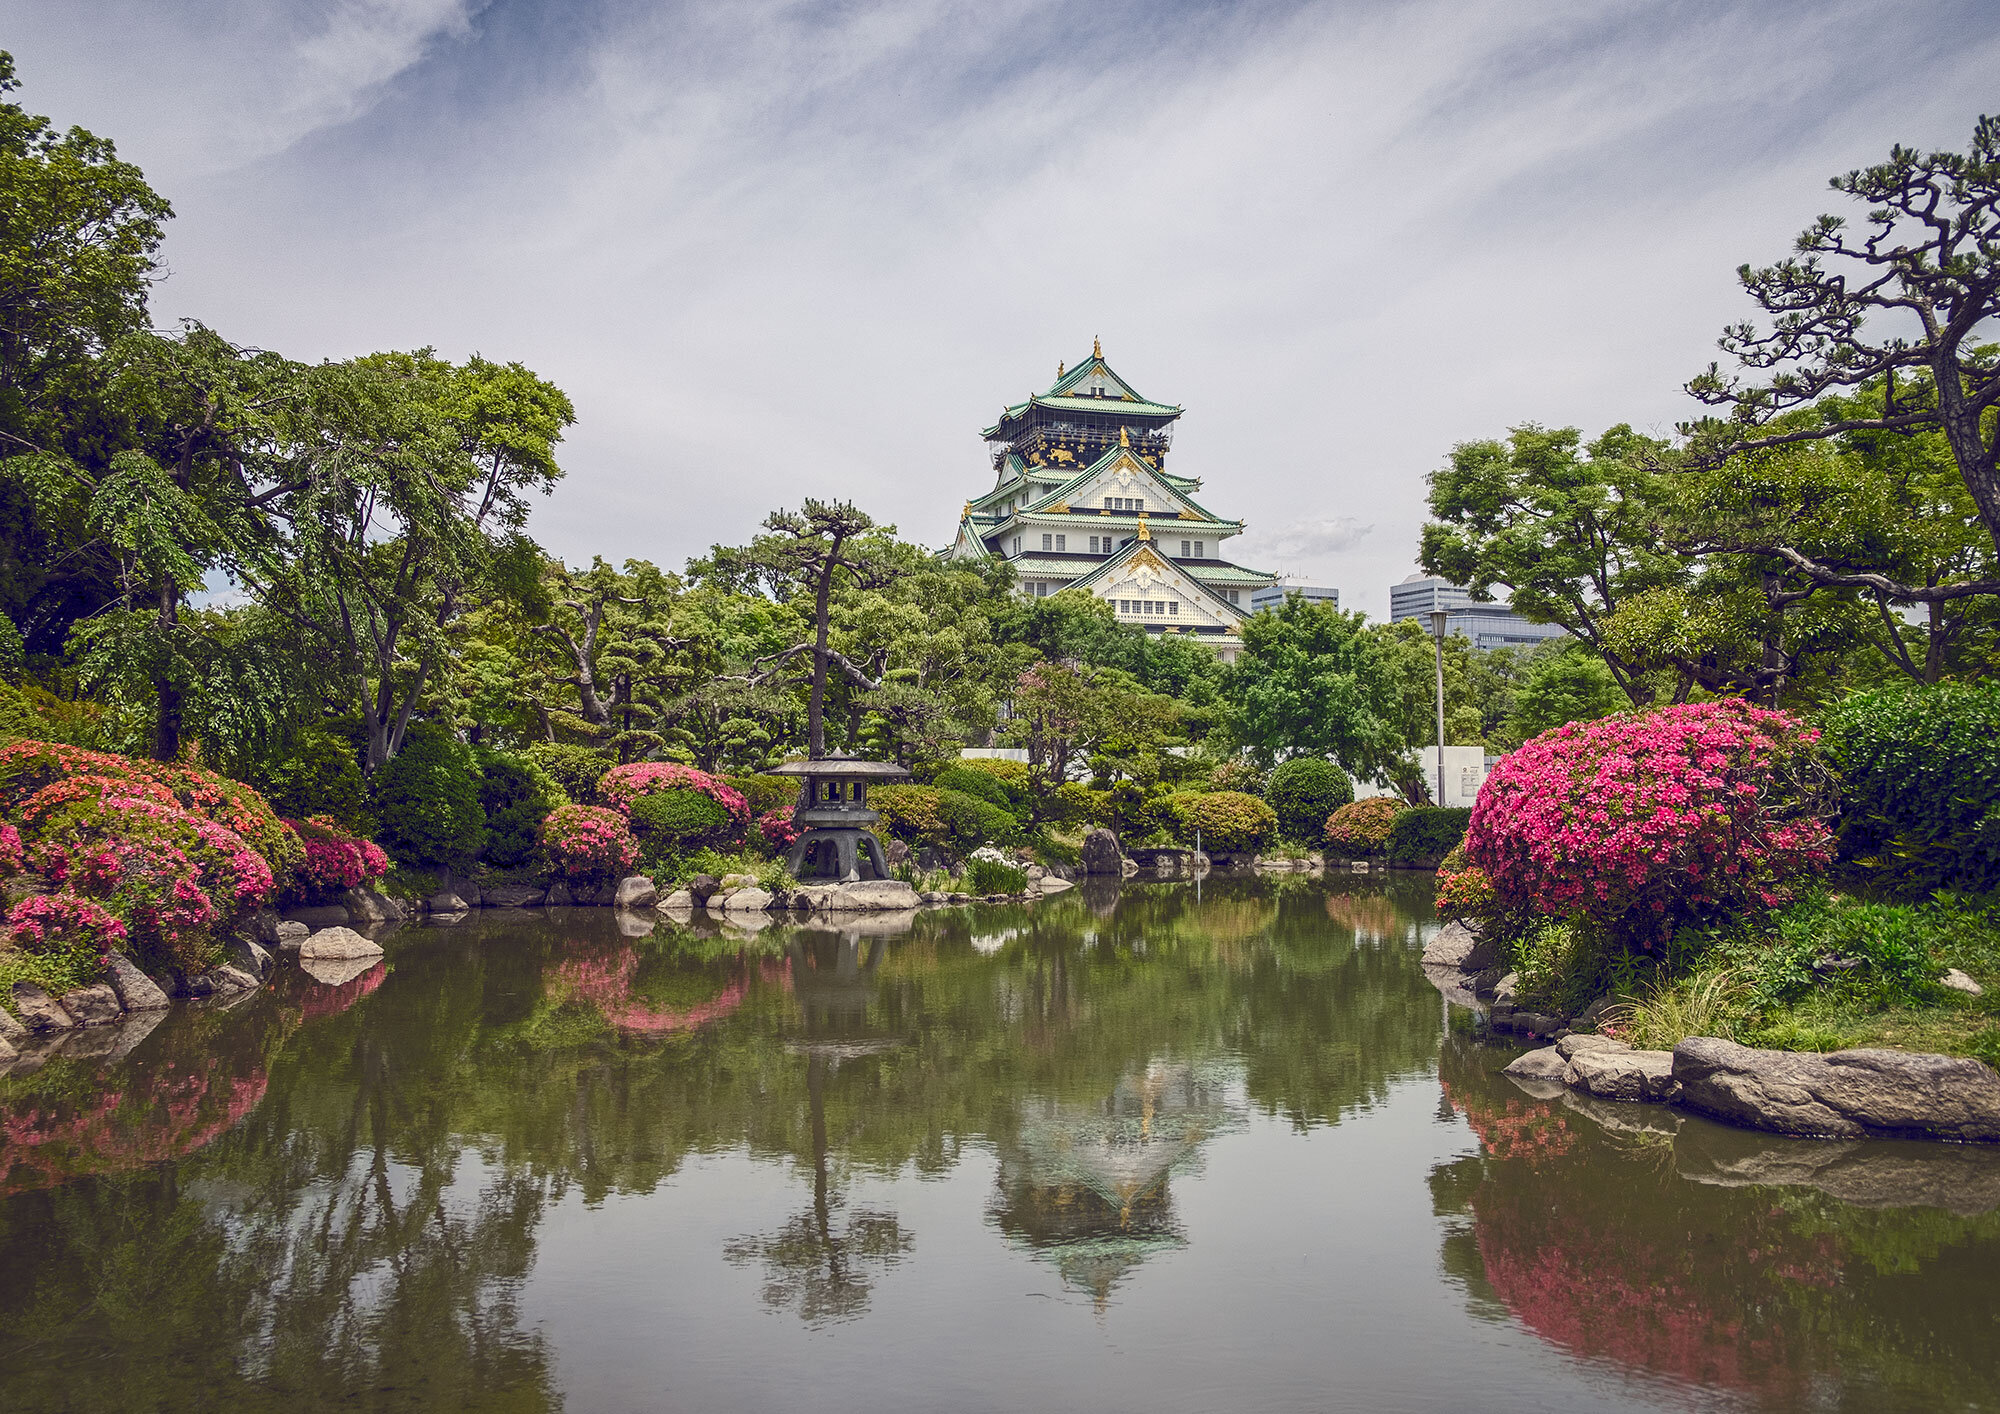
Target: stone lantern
[836, 828]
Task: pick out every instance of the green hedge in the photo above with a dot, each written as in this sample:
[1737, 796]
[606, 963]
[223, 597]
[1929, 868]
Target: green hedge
[765, 793]
[982, 784]
[1920, 770]
[948, 819]
[427, 799]
[1014, 778]
[514, 796]
[1424, 834]
[676, 821]
[1304, 792]
[574, 768]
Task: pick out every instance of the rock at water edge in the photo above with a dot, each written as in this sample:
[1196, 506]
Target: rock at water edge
[291, 934]
[1101, 854]
[1452, 945]
[1050, 884]
[559, 895]
[338, 972]
[445, 903]
[370, 906]
[10, 1029]
[222, 978]
[1625, 1075]
[248, 957]
[135, 989]
[513, 895]
[1544, 1064]
[679, 901]
[1843, 1094]
[337, 944]
[637, 891]
[95, 1005]
[39, 1011]
[750, 899]
[1570, 1045]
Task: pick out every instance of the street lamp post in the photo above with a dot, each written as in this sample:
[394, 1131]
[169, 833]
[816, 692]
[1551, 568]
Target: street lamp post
[1438, 619]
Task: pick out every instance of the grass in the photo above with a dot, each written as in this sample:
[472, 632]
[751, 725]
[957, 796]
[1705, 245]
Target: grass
[1831, 973]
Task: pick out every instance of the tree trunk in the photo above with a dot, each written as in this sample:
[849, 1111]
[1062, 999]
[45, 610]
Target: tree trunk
[1961, 422]
[171, 701]
[816, 707]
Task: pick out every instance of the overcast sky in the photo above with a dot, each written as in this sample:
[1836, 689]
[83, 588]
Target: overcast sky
[784, 250]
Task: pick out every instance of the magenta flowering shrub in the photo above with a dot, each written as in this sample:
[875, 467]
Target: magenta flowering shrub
[159, 848]
[69, 938]
[1646, 821]
[622, 786]
[334, 859]
[588, 843]
[776, 827]
[13, 853]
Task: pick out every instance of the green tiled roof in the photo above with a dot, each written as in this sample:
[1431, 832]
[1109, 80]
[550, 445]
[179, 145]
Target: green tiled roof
[1225, 572]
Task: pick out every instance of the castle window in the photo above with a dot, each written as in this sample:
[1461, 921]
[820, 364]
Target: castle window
[1200, 550]
[1017, 544]
[1062, 543]
[1173, 608]
[1093, 544]
[1232, 596]
[1048, 542]
[1042, 590]
[1187, 547]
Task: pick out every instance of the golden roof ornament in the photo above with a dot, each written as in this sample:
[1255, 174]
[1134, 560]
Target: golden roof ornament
[1144, 532]
[1096, 348]
[1059, 368]
[1124, 437]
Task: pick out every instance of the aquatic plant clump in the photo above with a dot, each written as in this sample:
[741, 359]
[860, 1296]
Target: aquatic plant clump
[587, 842]
[622, 787]
[1645, 822]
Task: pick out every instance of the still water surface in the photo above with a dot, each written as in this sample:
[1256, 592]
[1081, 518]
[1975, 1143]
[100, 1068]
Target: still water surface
[1144, 1150]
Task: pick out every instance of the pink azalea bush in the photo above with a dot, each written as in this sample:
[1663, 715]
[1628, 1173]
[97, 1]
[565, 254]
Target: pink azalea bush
[588, 843]
[1643, 822]
[777, 828]
[622, 786]
[334, 859]
[13, 853]
[173, 854]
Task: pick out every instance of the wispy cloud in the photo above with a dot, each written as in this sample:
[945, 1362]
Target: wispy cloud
[777, 249]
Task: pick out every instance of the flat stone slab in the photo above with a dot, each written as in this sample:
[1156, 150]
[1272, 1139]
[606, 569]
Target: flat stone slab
[338, 945]
[1545, 1064]
[1626, 1075]
[95, 1005]
[1841, 1094]
[1571, 1045]
[866, 896]
[39, 1011]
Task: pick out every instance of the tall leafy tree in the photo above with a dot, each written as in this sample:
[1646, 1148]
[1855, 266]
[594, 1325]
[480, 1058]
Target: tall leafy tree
[1312, 679]
[1566, 528]
[1912, 291]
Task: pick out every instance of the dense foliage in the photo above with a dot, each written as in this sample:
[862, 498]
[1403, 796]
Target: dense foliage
[334, 860]
[428, 800]
[587, 843]
[1920, 785]
[1224, 821]
[1424, 835]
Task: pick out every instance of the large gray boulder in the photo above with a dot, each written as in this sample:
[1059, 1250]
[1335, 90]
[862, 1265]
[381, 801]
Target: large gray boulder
[679, 901]
[337, 945]
[445, 903]
[135, 989]
[1843, 1095]
[224, 979]
[1453, 944]
[745, 900]
[290, 934]
[514, 895]
[637, 891]
[1101, 854]
[10, 1029]
[40, 1012]
[1625, 1075]
[1545, 1064]
[864, 896]
[95, 1005]
[338, 971]
[365, 906]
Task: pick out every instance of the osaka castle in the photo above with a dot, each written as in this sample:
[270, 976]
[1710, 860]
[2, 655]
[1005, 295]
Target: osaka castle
[1082, 499]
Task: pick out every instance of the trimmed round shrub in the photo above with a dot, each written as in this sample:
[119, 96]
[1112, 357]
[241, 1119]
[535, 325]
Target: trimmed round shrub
[335, 860]
[577, 769]
[588, 844]
[765, 793]
[910, 813]
[427, 799]
[1424, 834]
[1920, 778]
[320, 776]
[675, 821]
[514, 795]
[1229, 821]
[1305, 791]
[623, 786]
[1015, 779]
[1074, 803]
[970, 821]
[1647, 821]
[1360, 828]
[982, 784]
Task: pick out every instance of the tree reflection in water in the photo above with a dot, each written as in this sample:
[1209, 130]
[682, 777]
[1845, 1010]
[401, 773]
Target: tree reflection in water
[821, 1262]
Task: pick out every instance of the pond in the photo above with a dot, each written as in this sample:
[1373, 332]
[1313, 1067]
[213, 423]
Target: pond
[1164, 1148]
